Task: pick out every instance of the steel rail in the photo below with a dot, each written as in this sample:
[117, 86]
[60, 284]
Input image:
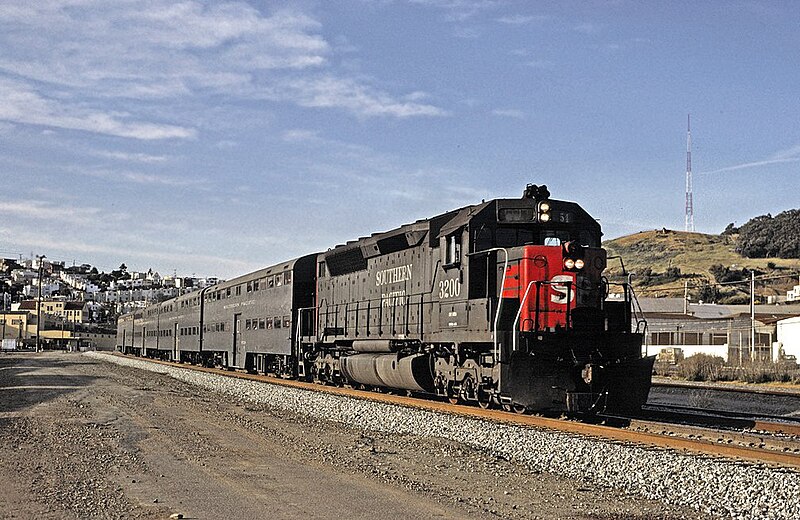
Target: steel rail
[723, 387]
[789, 423]
[679, 444]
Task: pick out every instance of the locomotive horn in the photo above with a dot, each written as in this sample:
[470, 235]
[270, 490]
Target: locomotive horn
[537, 193]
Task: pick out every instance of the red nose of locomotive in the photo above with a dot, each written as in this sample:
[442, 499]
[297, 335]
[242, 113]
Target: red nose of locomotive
[552, 281]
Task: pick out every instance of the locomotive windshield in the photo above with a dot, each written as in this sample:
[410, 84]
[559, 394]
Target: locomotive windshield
[529, 221]
[516, 235]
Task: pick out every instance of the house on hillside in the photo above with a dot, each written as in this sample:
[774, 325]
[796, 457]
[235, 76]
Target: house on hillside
[794, 294]
[68, 311]
[719, 330]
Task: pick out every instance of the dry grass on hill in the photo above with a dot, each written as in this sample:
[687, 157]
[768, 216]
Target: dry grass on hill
[692, 253]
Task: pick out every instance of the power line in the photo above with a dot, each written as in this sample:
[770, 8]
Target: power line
[794, 274]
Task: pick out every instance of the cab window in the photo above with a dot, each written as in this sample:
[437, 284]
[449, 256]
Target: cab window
[453, 249]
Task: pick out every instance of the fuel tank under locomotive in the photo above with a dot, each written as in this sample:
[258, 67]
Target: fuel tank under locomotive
[412, 372]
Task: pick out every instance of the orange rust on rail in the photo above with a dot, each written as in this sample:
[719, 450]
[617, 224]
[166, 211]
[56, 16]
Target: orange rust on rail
[592, 430]
[773, 427]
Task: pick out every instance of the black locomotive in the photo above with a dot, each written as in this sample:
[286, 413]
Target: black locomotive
[500, 303]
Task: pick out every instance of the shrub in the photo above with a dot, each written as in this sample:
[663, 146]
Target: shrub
[701, 367]
[766, 236]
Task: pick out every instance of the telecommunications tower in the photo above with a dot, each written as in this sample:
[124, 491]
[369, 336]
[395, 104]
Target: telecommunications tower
[689, 213]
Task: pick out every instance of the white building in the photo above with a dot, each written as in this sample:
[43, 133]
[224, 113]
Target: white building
[23, 275]
[79, 282]
[48, 288]
[794, 294]
[788, 337]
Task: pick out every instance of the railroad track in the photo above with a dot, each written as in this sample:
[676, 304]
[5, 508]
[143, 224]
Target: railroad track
[723, 387]
[651, 434]
[724, 418]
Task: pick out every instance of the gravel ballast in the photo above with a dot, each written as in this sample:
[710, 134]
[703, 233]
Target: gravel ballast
[714, 486]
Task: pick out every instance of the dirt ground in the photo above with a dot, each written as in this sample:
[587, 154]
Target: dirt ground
[81, 438]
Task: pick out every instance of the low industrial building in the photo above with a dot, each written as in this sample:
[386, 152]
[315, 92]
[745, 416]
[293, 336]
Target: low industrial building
[64, 329]
[726, 331]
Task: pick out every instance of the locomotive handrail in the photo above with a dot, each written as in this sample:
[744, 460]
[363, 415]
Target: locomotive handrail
[300, 319]
[395, 316]
[630, 297]
[621, 263]
[519, 313]
[299, 326]
[522, 302]
[499, 301]
[634, 298]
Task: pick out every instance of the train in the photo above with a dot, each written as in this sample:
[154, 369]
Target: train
[501, 304]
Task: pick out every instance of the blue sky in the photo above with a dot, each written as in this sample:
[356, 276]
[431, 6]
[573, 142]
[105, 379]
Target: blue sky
[218, 137]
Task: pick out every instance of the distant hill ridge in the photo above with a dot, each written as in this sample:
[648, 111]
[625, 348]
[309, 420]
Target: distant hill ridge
[664, 259]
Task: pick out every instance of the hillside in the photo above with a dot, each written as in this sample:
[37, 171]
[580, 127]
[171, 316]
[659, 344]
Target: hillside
[664, 252]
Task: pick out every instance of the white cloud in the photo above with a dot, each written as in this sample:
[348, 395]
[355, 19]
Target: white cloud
[138, 177]
[362, 170]
[20, 104]
[132, 157]
[461, 10]
[41, 210]
[300, 135]
[54, 244]
[509, 112]
[362, 100]
[753, 164]
[587, 28]
[160, 48]
[790, 155]
[519, 19]
[62, 53]
[226, 144]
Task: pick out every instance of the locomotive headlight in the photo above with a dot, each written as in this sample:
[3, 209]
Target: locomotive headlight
[579, 263]
[543, 211]
[569, 263]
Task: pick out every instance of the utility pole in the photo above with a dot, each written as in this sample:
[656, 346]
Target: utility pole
[685, 297]
[752, 316]
[39, 305]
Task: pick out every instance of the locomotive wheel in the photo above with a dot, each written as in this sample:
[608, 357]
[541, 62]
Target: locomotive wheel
[468, 390]
[453, 394]
[519, 408]
[484, 398]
